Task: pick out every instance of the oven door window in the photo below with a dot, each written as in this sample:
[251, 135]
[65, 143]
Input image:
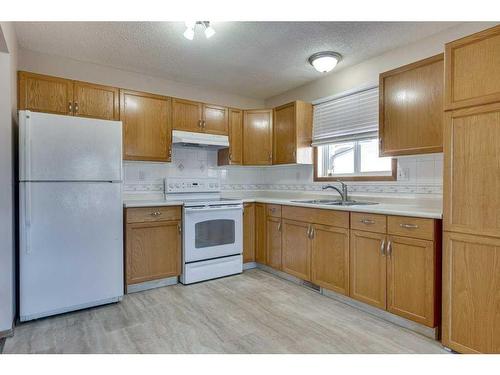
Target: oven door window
[214, 233]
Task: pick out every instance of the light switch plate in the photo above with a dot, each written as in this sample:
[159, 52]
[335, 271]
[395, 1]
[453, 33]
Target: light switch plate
[403, 174]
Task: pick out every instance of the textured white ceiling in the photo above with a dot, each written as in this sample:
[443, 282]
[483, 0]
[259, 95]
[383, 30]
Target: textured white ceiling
[253, 59]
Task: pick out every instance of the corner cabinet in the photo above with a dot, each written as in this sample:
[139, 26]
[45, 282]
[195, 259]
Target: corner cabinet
[411, 108]
[42, 93]
[147, 128]
[152, 244]
[292, 133]
[257, 137]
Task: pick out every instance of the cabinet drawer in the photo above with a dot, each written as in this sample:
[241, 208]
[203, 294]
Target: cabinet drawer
[369, 222]
[317, 216]
[145, 214]
[273, 210]
[411, 227]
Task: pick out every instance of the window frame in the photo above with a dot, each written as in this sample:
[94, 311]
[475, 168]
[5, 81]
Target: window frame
[371, 177]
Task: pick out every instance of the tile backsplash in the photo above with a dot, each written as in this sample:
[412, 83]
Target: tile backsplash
[421, 174]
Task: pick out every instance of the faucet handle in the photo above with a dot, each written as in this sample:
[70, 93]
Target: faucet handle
[342, 183]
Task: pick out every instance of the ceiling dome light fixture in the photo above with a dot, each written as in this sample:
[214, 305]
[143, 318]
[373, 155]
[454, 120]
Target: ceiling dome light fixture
[191, 25]
[325, 61]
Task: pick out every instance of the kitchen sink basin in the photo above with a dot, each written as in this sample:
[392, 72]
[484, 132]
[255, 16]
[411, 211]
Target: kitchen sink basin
[334, 202]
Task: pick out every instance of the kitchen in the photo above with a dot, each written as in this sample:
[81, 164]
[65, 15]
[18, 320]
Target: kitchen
[164, 205]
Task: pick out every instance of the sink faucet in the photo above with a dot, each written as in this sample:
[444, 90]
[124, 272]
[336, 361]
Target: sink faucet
[343, 192]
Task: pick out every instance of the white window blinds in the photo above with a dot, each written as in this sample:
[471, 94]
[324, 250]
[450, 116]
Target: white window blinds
[350, 117]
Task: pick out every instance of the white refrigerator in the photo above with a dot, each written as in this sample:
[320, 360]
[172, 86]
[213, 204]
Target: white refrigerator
[71, 220]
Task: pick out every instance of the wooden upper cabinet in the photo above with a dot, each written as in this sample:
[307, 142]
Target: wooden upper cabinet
[260, 233]
[235, 136]
[292, 133]
[330, 258]
[96, 101]
[248, 232]
[471, 293]
[296, 250]
[472, 70]
[147, 129]
[257, 137]
[411, 108]
[187, 115]
[273, 238]
[411, 279]
[41, 93]
[471, 170]
[215, 119]
[368, 268]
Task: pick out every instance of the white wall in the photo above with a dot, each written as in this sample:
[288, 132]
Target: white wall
[73, 69]
[367, 72]
[8, 126]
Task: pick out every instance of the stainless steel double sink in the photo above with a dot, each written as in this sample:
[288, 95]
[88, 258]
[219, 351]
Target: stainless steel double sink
[334, 202]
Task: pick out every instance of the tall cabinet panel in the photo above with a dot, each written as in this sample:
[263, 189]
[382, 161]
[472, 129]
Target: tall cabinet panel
[257, 137]
[471, 262]
[147, 130]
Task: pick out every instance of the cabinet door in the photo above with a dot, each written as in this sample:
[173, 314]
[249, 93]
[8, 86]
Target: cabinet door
[472, 72]
[235, 136]
[330, 258]
[153, 251]
[285, 134]
[215, 119]
[368, 268]
[249, 232]
[411, 279]
[411, 108]
[147, 131]
[260, 233]
[96, 101]
[471, 293]
[187, 115]
[296, 250]
[273, 237]
[42, 93]
[257, 137]
[471, 164]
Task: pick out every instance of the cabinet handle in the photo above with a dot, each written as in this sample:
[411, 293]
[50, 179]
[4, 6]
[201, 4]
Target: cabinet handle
[270, 156]
[199, 123]
[230, 156]
[279, 226]
[313, 232]
[409, 226]
[179, 228]
[308, 233]
[389, 249]
[204, 123]
[294, 155]
[156, 213]
[367, 221]
[76, 107]
[382, 247]
[70, 107]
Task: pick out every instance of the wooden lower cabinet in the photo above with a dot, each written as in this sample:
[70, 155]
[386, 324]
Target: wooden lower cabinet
[330, 258]
[411, 279]
[368, 268]
[296, 249]
[260, 233]
[248, 232]
[153, 251]
[471, 293]
[273, 240]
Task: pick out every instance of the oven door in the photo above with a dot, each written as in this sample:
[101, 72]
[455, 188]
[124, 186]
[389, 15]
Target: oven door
[212, 232]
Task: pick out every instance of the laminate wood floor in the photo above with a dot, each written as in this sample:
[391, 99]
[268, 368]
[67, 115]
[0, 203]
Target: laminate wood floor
[254, 312]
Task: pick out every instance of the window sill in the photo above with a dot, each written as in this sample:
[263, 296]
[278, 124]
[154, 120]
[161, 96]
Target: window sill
[391, 177]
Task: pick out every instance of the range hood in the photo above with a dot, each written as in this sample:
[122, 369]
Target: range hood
[200, 139]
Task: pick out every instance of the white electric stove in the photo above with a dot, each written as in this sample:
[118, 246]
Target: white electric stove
[212, 229]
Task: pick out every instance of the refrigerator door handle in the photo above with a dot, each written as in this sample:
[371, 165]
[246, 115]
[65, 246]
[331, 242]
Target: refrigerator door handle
[27, 217]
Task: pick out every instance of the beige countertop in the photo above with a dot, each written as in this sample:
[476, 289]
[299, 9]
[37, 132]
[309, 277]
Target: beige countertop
[416, 207]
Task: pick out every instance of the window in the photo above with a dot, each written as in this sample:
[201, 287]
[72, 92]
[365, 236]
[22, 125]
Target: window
[345, 136]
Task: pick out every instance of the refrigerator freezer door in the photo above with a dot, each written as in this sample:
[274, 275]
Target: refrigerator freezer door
[71, 246]
[68, 148]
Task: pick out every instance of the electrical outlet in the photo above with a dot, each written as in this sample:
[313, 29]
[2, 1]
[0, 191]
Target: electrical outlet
[403, 174]
[142, 175]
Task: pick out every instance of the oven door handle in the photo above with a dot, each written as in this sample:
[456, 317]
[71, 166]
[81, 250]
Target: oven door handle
[212, 209]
